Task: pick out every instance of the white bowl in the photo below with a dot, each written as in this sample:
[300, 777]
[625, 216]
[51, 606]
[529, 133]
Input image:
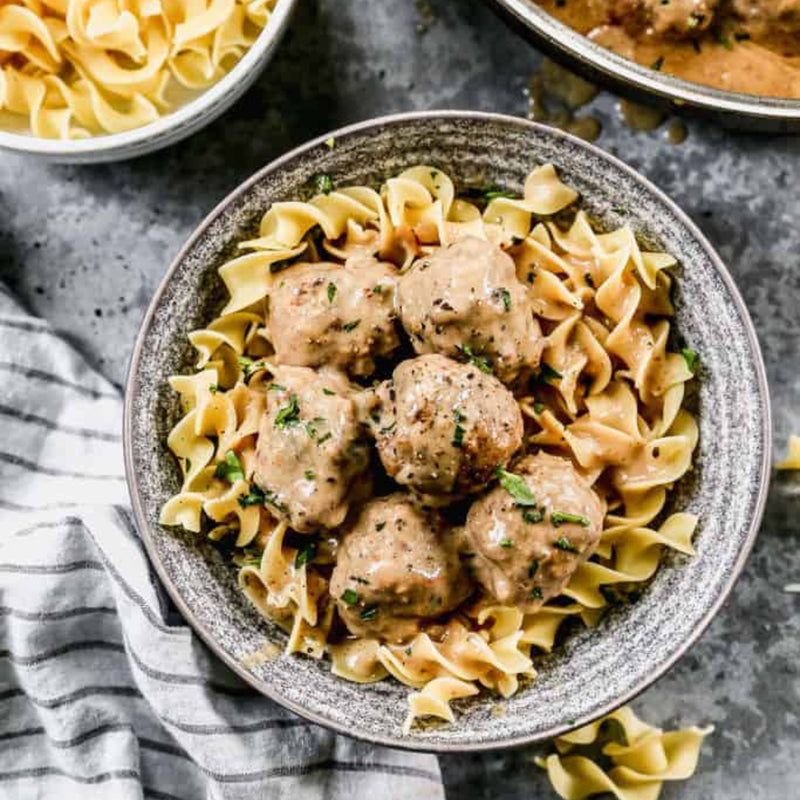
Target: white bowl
[171, 128]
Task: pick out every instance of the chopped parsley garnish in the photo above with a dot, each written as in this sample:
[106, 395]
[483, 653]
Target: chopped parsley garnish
[323, 184]
[331, 291]
[538, 406]
[351, 326]
[309, 475]
[350, 596]
[388, 428]
[694, 20]
[458, 415]
[379, 526]
[230, 469]
[533, 568]
[506, 297]
[565, 544]
[536, 593]
[305, 554]
[312, 427]
[658, 63]
[276, 387]
[560, 517]
[213, 388]
[246, 364]
[323, 439]
[533, 517]
[251, 558]
[328, 392]
[493, 194]
[377, 289]
[548, 373]
[358, 580]
[515, 485]
[481, 362]
[506, 543]
[256, 497]
[459, 430]
[369, 613]
[692, 359]
[288, 414]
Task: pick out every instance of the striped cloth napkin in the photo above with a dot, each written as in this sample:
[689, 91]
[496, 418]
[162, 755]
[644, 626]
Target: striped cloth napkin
[102, 693]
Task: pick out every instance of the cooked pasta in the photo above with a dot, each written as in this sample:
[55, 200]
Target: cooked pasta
[78, 68]
[553, 408]
[642, 758]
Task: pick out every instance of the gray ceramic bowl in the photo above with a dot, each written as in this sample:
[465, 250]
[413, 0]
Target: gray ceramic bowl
[596, 670]
[185, 120]
[598, 64]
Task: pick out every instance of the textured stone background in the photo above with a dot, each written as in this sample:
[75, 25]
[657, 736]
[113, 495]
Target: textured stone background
[86, 246]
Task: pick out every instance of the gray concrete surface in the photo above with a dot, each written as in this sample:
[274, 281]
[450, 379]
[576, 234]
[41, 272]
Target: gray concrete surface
[85, 247]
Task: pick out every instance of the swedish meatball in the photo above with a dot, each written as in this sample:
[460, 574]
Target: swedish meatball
[397, 566]
[465, 300]
[677, 19]
[337, 315]
[311, 454]
[528, 535]
[443, 427]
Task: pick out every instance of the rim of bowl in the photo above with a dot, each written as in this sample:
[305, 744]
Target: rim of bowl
[680, 92]
[409, 743]
[181, 122]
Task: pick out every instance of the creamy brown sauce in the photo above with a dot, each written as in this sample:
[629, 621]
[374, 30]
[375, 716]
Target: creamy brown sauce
[751, 48]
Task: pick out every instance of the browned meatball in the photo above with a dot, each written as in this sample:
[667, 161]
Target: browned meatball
[675, 19]
[396, 567]
[465, 301]
[768, 18]
[443, 427]
[329, 314]
[312, 454]
[528, 535]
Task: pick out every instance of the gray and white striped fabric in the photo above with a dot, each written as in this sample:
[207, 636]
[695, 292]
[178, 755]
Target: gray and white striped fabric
[101, 694]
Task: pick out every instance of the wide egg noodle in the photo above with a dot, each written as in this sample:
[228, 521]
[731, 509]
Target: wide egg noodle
[612, 401]
[80, 68]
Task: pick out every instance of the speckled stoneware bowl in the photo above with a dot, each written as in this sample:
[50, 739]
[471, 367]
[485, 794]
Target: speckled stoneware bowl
[185, 120]
[598, 64]
[596, 670]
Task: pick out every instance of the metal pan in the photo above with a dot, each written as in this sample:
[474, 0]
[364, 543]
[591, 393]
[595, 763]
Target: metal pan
[599, 65]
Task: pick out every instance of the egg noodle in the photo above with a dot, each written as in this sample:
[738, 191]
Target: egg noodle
[72, 69]
[642, 758]
[611, 400]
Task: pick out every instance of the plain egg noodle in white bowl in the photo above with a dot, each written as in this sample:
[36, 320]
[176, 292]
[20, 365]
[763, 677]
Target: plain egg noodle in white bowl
[91, 80]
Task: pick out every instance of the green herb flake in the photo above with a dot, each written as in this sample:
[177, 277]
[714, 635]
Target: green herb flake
[533, 568]
[328, 392]
[560, 517]
[377, 289]
[351, 326]
[658, 63]
[323, 184]
[506, 543]
[306, 554]
[323, 439]
[538, 406]
[548, 373]
[515, 485]
[694, 20]
[692, 359]
[369, 613]
[256, 497]
[230, 469]
[312, 427]
[493, 194]
[565, 544]
[458, 435]
[288, 414]
[331, 291]
[213, 388]
[350, 596]
[481, 362]
[359, 580]
[536, 593]
[246, 364]
[532, 517]
[379, 526]
[506, 297]
[458, 415]
[388, 428]
[276, 387]
[309, 475]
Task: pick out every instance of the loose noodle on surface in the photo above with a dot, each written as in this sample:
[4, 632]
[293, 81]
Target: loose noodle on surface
[613, 404]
